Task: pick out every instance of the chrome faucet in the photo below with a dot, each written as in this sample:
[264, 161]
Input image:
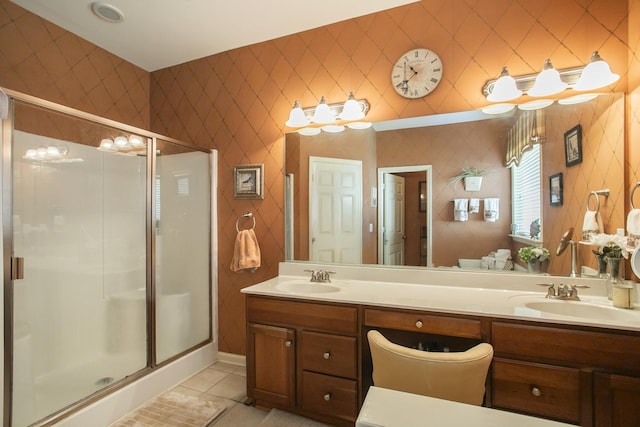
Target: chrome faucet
[563, 292]
[320, 276]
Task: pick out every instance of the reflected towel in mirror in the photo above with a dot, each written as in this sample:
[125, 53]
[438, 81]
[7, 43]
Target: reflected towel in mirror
[633, 226]
[474, 205]
[460, 210]
[591, 225]
[491, 209]
[246, 253]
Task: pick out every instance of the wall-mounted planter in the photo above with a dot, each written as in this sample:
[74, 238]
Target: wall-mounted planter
[472, 183]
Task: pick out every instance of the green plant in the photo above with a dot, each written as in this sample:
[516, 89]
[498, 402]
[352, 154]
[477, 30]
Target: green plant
[610, 246]
[468, 172]
[530, 253]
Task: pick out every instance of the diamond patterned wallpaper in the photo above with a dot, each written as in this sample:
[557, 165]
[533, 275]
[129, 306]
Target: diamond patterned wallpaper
[237, 101]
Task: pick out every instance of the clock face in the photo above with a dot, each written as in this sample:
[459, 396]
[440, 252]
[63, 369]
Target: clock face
[417, 73]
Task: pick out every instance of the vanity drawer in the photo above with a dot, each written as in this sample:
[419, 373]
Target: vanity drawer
[536, 389]
[604, 350]
[328, 395]
[322, 317]
[418, 322]
[329, 354]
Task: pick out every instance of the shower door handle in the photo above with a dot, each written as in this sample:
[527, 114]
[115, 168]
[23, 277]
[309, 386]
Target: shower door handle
[17, 268]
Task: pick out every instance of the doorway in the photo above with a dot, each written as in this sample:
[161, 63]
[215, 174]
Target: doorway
[404, 215]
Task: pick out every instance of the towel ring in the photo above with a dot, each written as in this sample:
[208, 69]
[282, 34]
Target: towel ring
[247, 215]
[593, 193]
[633, 190]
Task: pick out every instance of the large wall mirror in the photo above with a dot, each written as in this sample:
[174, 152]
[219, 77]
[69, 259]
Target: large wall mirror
[338, 212]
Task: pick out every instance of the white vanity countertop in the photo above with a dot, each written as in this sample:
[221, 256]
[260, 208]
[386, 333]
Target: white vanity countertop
[508, 296]
[390, 408]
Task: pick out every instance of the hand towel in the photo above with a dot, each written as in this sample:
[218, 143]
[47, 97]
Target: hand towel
[460, 212]
[474, 205]
[633, 222]
[246, 253]
[491, 209]
[591, 225]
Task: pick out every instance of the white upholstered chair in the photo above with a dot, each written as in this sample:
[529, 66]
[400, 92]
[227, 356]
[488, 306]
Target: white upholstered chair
[458, 376]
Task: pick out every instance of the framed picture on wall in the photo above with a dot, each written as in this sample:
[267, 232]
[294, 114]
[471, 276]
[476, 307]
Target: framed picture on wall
[555, 189]
[573, 145]
[248, 182]
[422, 196]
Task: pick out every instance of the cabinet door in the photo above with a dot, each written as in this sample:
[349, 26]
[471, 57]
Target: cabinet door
[271, 364]
[616, 400]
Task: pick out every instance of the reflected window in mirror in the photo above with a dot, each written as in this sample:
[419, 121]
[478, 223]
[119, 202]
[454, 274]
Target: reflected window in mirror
[527, 194]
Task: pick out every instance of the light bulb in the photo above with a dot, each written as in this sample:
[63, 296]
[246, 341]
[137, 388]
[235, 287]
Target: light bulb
[121, 142]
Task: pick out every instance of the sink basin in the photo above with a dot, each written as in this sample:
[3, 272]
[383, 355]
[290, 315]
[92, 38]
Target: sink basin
[306, 287]
[581, 309]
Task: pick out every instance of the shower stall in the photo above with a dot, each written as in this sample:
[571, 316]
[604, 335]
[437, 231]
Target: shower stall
[107, 257]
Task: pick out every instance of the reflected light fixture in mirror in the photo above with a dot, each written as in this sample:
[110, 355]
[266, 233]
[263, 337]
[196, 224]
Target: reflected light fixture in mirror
[351, 111]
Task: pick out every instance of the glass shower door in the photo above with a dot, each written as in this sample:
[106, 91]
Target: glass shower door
[182, 218]
[79, 223]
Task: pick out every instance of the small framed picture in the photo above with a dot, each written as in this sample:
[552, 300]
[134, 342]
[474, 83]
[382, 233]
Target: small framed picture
[555, 189]
[573, 145]
[248, 182]
[422, 196]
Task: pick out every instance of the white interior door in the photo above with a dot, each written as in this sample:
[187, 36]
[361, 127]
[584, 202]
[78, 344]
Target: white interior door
[394, 225]
[335, 210]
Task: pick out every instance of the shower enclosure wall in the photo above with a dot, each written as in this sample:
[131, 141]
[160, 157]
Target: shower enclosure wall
[107, 248]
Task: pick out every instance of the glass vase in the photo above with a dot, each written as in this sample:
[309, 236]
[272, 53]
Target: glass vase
[602, 266]
[615, 275]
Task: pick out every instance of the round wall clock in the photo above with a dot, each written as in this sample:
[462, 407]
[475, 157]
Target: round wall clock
[416, 73]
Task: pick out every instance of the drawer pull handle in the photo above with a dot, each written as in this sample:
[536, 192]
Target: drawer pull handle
[327, 397]
[326, 355]
[536, 391]
[419, 324]
[287, 343]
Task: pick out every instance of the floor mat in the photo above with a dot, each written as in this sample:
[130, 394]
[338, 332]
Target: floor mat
[277, 418]
[172, 409]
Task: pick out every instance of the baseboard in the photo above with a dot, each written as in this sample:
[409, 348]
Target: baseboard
[232, 359]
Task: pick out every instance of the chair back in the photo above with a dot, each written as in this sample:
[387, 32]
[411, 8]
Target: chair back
[457, 376]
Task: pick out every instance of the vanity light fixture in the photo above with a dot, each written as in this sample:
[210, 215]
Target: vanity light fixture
[327, 115]
[550, 81]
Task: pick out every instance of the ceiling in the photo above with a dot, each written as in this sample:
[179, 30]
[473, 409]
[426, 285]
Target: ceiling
[156, 34]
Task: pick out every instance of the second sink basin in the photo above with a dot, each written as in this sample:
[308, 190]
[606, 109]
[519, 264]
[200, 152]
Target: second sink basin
[582, 310]
[306, 287]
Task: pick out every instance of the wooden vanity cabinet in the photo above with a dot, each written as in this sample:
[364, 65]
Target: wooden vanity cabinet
[585, 376]
[316, 373]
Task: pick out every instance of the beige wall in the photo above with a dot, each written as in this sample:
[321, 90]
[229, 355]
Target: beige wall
[237, 101]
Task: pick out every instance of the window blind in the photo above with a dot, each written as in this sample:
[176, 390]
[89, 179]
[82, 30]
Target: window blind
[526, 190]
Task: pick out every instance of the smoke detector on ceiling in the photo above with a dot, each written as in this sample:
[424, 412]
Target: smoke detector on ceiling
[107, 12]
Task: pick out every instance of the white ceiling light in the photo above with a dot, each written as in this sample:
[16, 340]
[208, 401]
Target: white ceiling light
[547, 82]
[297, 118]
[596, 74]
[107, 12]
